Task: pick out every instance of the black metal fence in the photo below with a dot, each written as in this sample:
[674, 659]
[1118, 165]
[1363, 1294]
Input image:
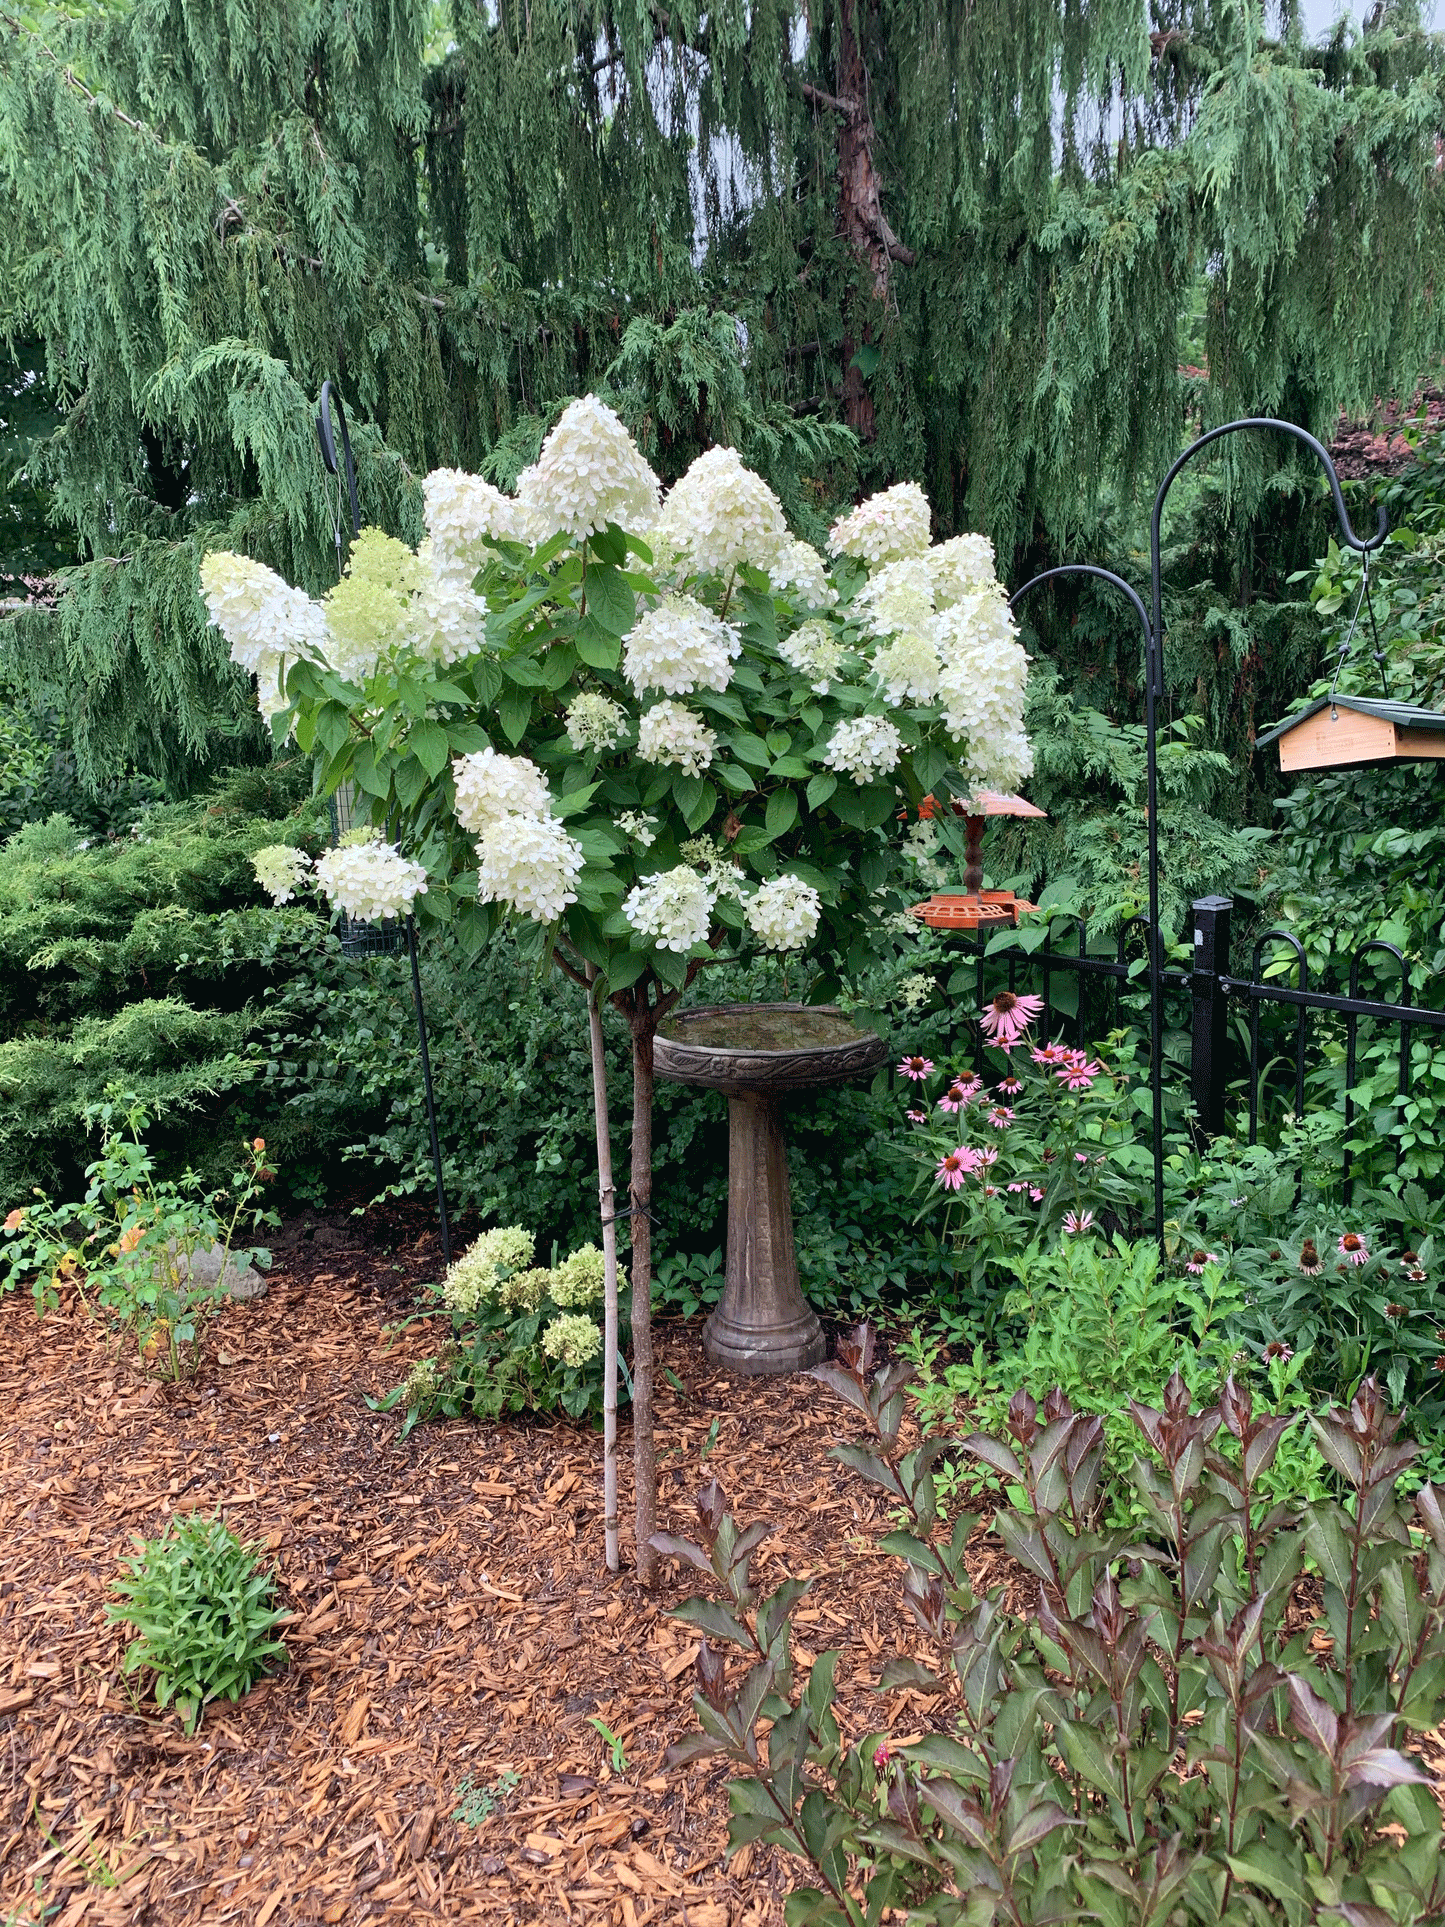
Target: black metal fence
[1229, 1031]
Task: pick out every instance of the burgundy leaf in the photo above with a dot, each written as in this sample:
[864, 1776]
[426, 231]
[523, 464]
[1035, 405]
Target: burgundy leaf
[1037, 1824]
[1314, 1719]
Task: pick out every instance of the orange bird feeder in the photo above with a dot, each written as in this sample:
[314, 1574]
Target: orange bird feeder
[975, 908]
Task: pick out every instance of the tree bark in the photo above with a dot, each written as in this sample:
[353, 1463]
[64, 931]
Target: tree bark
[861, 220]
[607, 1204]
[644, 1453]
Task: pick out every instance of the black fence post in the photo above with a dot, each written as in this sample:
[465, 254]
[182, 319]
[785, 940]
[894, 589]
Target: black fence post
[1211, 963]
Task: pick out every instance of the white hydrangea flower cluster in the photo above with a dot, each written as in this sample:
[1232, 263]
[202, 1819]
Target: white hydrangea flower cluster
[267, 624]
[898, 596]
[371, 881]
[963, 563]
[864, 747]
[590, 472]
[908, 669]
[783, 913]
[670, 733]
[639, 827]
[446, 623]
[594, 721]
[678, 646]
[529, 863]
[473, 1277]
[714, 862]
[799, 569]
[490, 786]
[281, 870]
[888, 525]
[985, 671]
[572, 1339]
[461, 512]
[673, 907]
[720, 516]
[815, 652]
[582, 1278]
[914, 992]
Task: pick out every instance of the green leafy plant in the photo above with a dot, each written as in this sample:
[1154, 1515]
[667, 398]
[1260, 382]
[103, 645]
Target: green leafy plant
[203, 1611]
[1158, 1734]
[609, 1739]
[478, 1803]
[149, 1256]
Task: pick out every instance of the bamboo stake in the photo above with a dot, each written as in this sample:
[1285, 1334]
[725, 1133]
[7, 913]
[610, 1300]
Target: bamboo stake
[607, 1200]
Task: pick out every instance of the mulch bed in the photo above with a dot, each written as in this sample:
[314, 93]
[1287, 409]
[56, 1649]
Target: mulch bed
[454, 1623]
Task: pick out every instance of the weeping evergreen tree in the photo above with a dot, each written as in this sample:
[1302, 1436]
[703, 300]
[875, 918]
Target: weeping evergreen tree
[952, 239]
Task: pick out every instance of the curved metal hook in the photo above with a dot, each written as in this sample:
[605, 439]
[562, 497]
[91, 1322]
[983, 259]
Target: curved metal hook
[327, 439]
[1104, 575]
[1363, 544]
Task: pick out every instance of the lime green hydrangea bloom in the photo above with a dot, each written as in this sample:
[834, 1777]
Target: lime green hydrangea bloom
[581, 1279]
[572, 1339]
[473, 1278]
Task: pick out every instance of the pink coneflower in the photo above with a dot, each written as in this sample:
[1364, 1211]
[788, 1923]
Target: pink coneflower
[1081, 1157]
[915, 1069]
[1077, 1221]
[1000, 1117]
[1353, 1247]
[1396, 1311]
[1010, 1087]
[1007, 1018]
[1018, 1185]
[916, 1117]
[960, 1093]
[1199, 1259]
[1309, 1259]
[957, 1166]
[1079, 1074]
[1049, 1055]
[1276, 1348]
[1416, 1275]
[1036, 1194]
[990, 1190]
[1408, 1260]
[986, 1155]
[1048, 1156]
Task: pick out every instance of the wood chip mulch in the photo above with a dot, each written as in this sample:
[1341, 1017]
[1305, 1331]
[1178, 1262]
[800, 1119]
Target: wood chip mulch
[454, 1626]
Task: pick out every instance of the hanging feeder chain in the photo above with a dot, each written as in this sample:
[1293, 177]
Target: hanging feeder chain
[1364, 600]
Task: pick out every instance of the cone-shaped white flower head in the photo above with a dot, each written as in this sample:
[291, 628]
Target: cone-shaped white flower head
[982, 686]
[669, 733]
[590, 472]
[673, 907]
[908, 668]
[369, 612]
[679, 646]
[720, 516]
[281, 870]
[783, 915]
[446, 623]
[370, 881]
[799, 572]
[864, 747]
[267, 624]
[964, 562]
[897, 596]
[461, 512]
[815, 652]
[490, 786]
[595, 722]
[529, 863]
[887, 526]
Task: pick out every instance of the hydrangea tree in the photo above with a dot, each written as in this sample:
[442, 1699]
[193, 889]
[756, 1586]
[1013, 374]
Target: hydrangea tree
[650, 733]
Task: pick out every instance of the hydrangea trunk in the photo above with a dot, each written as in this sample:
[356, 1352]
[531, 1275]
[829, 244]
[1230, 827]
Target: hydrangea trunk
[644, 1454]
[607, 1201]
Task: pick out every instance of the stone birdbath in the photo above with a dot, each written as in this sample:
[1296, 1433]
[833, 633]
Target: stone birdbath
[756, 1054]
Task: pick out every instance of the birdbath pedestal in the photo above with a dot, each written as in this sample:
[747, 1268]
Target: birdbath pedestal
[756, 1054]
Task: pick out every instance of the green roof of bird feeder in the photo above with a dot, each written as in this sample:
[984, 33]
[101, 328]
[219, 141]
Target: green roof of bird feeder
[1347, 732]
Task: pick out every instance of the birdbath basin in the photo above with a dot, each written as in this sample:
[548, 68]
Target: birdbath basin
[755, 1054]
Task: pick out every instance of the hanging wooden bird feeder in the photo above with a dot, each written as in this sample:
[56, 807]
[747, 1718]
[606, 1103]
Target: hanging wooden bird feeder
[1348, 732]
[975, 908]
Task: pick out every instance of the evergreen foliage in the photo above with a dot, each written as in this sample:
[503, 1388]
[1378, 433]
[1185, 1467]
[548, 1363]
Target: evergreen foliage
[971, 236]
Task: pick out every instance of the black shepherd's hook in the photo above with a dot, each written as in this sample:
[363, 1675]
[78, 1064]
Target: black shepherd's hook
[327, 438]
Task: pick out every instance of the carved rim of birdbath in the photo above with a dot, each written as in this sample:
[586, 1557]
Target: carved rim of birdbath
[764, 1324]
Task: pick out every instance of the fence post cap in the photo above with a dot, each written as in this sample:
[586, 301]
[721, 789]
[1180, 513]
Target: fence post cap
[1212, 903]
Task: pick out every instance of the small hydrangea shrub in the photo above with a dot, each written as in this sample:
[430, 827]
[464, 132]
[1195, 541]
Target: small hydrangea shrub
[524, 1337]
[203, 1612]
[130, 1247]
[1153, 1728]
